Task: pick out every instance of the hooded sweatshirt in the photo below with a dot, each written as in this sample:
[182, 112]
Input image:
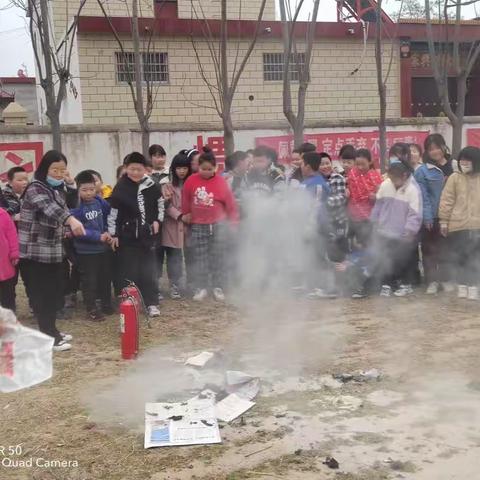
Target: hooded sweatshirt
[398, 212]
[209, 201]
[93, 216]
[135, 206]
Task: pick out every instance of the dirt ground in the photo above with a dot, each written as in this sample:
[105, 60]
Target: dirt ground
[419, 421]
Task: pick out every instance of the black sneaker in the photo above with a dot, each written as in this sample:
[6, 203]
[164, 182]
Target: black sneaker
[95, 316]
[61, 346]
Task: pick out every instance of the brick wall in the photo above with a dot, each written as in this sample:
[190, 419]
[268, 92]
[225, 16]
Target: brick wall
[333, 93]
[243, 9]
[63, 11]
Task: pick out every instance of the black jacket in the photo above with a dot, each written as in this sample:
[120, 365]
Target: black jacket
[135, 206]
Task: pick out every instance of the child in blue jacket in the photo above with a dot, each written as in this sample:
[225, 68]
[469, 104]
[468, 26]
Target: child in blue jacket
[92, 248]
[317, 189]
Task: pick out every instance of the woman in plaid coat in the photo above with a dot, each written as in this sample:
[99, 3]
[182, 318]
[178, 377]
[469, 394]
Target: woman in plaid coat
[43, 218]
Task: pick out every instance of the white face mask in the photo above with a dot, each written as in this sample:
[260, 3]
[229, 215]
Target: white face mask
[466, 167]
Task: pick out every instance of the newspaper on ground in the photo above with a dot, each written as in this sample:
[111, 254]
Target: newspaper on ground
[232, 407]
[200, 360]
[243, 385]
[176, 424]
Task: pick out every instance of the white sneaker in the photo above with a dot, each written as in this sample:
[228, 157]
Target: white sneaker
[472, 293]
[218, 295]
[62, 346]
[462, 291]
[403, 291]
[386, 291]
[153, 311]
[66, 337]
[200, 295]
[448, 287]
[432, 288]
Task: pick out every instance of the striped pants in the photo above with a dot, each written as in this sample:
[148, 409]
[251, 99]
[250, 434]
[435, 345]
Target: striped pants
[209, 244]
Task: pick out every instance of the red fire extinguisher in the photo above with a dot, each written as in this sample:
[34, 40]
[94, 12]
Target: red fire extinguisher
[130, 307]
[129, 328]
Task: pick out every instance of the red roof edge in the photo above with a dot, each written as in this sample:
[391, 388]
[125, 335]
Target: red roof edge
[17, 80]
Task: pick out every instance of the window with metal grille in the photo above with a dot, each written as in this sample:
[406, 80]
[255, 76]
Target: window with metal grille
[154, 67]
[273, 64]
[125, 63]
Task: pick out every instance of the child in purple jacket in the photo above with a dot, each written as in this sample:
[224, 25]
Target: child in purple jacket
[397, 217]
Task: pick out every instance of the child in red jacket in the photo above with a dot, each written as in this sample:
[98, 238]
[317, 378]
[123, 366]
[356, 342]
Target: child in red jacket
[363, 182]
[208, 205]
[8, 260]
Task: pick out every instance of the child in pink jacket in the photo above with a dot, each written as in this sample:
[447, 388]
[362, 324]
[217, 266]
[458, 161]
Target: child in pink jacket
[8, 260]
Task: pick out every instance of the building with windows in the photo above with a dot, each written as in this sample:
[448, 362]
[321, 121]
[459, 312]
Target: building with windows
[175, 37]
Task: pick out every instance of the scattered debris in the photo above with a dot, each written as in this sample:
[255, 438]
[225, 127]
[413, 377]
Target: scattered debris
[232, 407]
[399, 466]
[341, 402]
[359, 377]
[177, 424]
[200, 360]
[258, 451]
[330, 462]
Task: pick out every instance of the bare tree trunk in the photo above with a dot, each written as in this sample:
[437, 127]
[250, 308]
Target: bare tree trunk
[382, 90]
[457, 124]
[139, 106]
[52, 112]
[228, 137]
[298, 136]
[56, 133]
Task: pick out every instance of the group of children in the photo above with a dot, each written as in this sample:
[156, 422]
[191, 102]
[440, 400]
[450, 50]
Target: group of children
[372, 232]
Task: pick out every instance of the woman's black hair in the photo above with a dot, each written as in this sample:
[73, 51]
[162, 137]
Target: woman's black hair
[179, 160]
[364, 153]
[207, 156]
[439, 141]
[234, 159]
[50, 157]
[471, 154]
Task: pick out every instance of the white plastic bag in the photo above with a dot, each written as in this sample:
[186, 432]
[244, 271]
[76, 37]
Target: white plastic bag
[25, 354]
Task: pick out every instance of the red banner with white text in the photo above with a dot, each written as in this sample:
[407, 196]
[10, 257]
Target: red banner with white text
[331, 143]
